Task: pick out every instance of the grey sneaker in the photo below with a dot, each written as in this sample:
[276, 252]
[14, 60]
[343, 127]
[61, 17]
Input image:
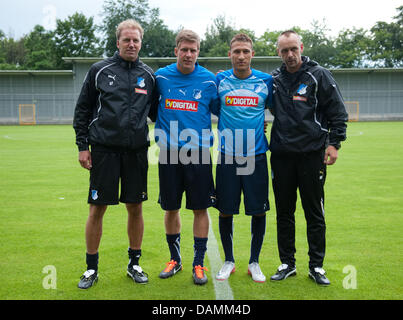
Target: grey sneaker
[171, 269]
[256, 273]
[226, 270]
[88, 279]
[283, 272]
[318, 275]
[199, 277]
[137, 274]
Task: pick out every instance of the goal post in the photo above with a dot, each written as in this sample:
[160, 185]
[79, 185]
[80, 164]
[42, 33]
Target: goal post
[27, 114]
[353, 110]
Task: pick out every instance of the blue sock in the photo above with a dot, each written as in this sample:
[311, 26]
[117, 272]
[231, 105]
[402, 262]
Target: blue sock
[200, 248]
[174, 241]
[258, 229]
[225, 225]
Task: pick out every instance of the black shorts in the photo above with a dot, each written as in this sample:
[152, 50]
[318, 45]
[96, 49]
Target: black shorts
[111, 166]
[230, 184]
[195, 179]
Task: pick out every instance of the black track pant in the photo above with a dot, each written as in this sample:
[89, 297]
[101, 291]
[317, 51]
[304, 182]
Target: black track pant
[306, 172]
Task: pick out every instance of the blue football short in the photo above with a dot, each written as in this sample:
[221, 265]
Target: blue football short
[231, 181]
[195, 179]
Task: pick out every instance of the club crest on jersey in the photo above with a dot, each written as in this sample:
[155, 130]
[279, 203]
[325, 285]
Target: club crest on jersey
[141, 82]
[234, 101]
[197, 94]
[259, 88]
[181, 105]
[302, 89]
[94, 194]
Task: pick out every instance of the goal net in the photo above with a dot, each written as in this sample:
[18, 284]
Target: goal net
[353, 110]
[27, 114]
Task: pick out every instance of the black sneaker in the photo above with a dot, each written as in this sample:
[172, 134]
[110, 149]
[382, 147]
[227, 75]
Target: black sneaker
[318, 275]
[199, 276]
[137, 274]
[88, 279]
[171, 269]
[283, 272]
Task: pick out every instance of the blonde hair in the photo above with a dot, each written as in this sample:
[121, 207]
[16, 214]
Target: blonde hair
[129, 24]
[187, 35]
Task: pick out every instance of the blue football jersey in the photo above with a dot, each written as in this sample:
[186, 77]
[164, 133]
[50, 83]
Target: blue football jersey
[242, 112]
[185, 107]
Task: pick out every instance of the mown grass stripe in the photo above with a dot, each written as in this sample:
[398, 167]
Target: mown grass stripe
[222, 289]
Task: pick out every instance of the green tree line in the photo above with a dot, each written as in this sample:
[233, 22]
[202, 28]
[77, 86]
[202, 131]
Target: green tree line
[78, 36]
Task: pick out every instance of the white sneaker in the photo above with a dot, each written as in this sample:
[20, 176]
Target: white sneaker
[226, 270]
[256, 273]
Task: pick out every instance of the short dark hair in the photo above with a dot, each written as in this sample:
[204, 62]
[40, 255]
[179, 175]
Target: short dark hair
[287, 33]
[241, 37]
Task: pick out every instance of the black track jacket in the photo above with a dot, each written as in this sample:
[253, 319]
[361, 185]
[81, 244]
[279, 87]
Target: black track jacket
[114, 104]
[309, 112]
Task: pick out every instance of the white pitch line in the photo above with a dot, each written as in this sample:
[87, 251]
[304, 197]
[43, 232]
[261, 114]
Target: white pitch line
[222, 289]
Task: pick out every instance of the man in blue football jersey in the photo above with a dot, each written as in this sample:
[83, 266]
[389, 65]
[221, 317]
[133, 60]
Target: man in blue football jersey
[244, 93]
[188, 94]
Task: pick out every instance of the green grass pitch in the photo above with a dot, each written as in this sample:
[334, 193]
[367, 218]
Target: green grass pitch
[43, 212]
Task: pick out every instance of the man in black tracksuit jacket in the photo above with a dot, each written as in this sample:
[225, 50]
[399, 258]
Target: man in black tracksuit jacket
[309, 124]
[109, 111]
[111, 128]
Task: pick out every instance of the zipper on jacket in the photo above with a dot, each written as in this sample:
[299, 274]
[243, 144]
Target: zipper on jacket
[131, 100]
